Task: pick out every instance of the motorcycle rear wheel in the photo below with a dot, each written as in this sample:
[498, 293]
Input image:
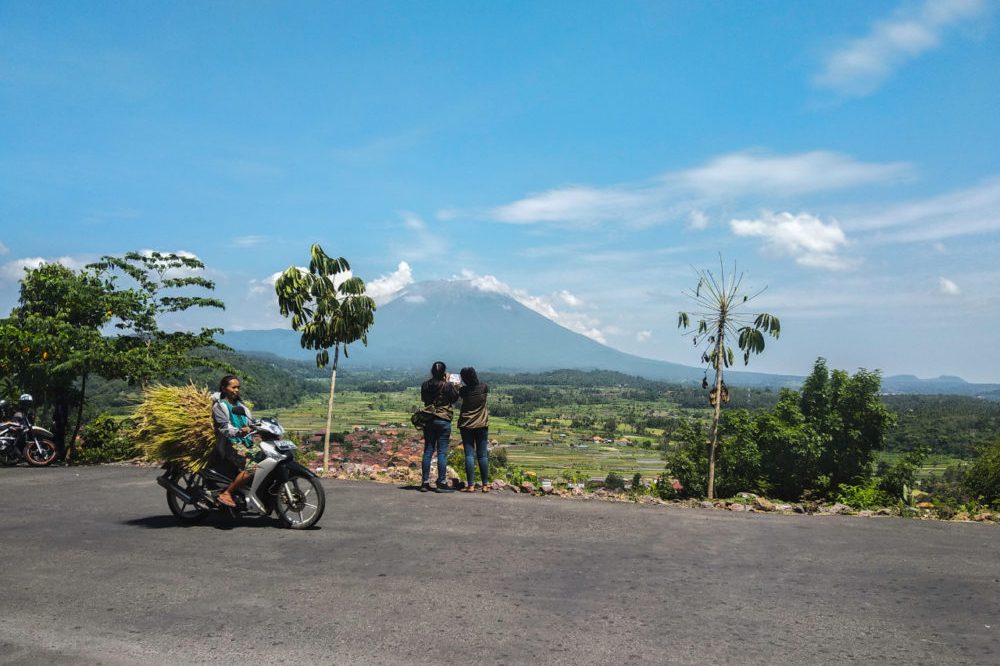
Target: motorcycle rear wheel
[40, 452]
[187, 512]
[300, 501]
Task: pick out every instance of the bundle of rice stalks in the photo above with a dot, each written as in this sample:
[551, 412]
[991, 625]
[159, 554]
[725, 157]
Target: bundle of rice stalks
[174, 424]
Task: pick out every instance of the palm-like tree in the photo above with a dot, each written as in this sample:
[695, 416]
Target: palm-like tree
[722, 315]
[328, 312]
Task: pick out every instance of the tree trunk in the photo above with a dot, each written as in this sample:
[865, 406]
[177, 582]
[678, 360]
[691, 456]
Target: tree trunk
[79, 419]
[329, 411]
[717, 410]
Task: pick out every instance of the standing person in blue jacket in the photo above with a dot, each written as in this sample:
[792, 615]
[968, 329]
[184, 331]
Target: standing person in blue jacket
[438, 395]
[473, 423]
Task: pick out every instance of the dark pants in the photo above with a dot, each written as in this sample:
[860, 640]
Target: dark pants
[475, 441]
[436, 436]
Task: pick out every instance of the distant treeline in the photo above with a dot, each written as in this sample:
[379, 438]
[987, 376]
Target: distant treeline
[268, 382]
[949, 424]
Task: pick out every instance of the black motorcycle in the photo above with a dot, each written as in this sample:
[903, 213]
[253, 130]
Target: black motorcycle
[280, 485]
[21, 439]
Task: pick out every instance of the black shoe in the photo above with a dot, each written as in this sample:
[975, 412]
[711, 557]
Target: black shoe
[438, 488]
[424, 487]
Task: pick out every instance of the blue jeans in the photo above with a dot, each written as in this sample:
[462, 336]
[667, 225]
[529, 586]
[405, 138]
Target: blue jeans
[475, 441]
[436, 436]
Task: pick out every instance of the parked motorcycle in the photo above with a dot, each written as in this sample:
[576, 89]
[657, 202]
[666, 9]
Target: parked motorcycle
[280, 485]
[21, 439]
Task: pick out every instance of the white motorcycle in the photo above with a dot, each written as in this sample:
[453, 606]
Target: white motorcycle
[280, 485]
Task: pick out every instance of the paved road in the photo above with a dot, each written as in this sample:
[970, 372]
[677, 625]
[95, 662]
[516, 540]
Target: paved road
[95, 570]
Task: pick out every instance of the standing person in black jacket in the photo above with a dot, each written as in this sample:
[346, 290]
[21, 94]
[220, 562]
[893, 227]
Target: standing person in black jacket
[438, 395]
[473, 423]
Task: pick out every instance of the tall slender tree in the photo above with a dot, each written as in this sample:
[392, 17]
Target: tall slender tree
[329, 308]
[721, 309]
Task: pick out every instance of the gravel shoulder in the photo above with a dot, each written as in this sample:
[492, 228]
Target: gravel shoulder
[98, 571]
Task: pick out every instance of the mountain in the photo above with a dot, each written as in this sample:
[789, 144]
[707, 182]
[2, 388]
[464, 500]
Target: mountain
[457, 323]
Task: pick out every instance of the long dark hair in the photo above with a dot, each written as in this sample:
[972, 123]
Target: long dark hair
[469, 376]
[224, 382]
[438, 370]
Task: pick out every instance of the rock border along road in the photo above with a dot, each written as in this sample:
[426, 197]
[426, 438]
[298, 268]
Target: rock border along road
[96, 570]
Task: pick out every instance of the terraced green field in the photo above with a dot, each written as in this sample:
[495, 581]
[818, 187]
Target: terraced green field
[540, 442]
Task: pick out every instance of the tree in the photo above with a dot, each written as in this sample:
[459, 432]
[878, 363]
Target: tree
[330, 309]
[55, 338]
[720, 303]
[142, 351]
[982, 478]
[52, 339]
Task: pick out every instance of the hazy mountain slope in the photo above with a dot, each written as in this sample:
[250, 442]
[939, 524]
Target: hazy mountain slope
[462, 325]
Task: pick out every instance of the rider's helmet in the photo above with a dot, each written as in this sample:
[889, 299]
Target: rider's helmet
[25, 402]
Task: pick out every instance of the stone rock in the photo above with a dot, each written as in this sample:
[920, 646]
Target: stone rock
[840, 509]
[577, 492]
[982, 517]
[961, 515]
[925, 505]
[798, 508]
[884, 511]
[737, 507]
[549, 489]
[527, 487]
[498, 484]
[706, 505]
[783, 507]
[866, 513]
[763, 504]
[749, 496]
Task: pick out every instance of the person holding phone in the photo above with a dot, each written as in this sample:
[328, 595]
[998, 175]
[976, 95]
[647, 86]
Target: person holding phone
[438, 395]
[473, 423]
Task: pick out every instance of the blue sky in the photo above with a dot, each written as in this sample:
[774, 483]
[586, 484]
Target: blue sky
[581, 157]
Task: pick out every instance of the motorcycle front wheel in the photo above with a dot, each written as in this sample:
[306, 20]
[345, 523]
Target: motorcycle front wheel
[40, 452]
[187, 512]
[300, 501]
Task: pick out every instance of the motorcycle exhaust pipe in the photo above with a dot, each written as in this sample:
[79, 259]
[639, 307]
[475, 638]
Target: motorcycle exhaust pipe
[175, 489]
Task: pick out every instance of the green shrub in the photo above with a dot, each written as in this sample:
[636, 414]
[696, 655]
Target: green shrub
[982, 478]
[867, 496]
[614, 481]
[106, 439]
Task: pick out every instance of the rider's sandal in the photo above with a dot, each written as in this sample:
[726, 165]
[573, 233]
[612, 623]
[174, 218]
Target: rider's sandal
[231, 503]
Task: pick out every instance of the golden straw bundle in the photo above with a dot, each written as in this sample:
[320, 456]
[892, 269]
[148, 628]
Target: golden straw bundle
[175, 425]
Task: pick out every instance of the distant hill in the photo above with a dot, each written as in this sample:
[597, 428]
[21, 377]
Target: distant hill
[462, 325]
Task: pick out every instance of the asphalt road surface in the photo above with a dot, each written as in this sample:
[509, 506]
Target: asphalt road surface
[96, 570]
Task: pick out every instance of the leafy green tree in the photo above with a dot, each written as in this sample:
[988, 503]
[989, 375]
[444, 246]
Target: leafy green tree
[328, 312]
[982, 478]
[52, 339]
[55, 337]
[790, 449]
[157, 284]
[720, 311]
[859, 422]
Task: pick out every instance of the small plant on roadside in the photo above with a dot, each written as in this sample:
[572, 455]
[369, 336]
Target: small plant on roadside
[106, 439]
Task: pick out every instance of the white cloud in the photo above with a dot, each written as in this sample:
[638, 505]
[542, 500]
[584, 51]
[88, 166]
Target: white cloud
[570, 299]
[948, 287]
[971, 211]
[697, 220]
[385, 287]
[414, 298]
[14, 270]
[248, 241]
[643, 336]
[863, 64]
[425, 243]
[265, 285]
[680, 195]
[810, 241]
[4, 249]
[543, 305]
[814, 171]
